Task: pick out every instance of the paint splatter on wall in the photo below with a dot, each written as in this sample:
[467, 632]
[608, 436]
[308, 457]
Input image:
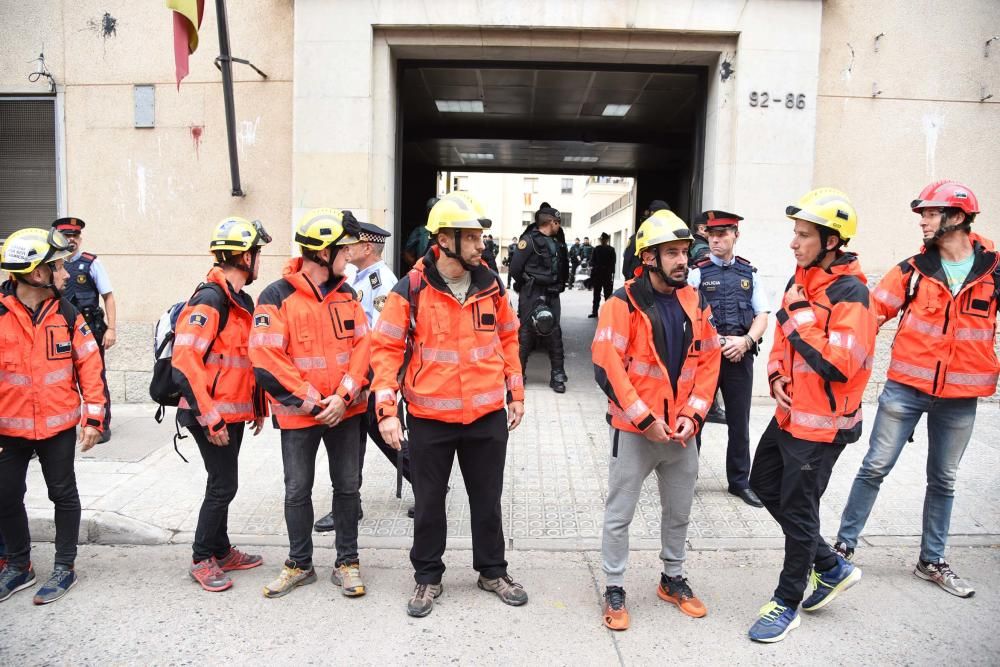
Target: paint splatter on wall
[932, 128]
[105, 27]
[196, 133]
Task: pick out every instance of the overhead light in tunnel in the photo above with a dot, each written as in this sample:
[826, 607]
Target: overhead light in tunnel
[580, 158]
[460, 106]
[476, 156]
[617, 110]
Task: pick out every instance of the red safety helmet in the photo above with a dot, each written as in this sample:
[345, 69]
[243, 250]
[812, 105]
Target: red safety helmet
[946, 194]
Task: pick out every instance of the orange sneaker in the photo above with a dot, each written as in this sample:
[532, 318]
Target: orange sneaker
[677, 590]
[238, 560]
[615, 614]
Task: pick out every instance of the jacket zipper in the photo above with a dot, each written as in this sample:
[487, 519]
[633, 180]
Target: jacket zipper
[215, 382]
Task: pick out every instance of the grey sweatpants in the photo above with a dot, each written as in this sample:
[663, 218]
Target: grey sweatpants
[676, 473]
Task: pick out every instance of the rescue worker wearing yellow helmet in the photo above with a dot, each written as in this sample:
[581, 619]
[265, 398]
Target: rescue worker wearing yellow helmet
[656, 355]
[824, 342]
[310, 351]
[48, 352]
[218, 393]
[449, 330]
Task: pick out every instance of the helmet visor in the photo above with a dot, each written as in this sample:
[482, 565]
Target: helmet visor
[262, 237]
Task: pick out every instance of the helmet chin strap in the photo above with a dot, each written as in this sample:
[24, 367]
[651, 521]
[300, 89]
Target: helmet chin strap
[671, 282]
[50, 284]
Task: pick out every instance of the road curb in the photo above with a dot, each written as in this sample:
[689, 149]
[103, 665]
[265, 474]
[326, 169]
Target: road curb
[100, 527]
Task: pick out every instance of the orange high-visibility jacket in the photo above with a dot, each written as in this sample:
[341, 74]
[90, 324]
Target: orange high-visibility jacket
[944, 344]
[629, 352]
[218, 387]
[826, 345]
[306, 346]
[464, 361]
[44, 368]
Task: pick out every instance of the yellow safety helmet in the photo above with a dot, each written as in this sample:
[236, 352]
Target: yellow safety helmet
[25, 249]
[237, 234]
[323, 227]
[828, 208]
[661, 227]
[457, 210]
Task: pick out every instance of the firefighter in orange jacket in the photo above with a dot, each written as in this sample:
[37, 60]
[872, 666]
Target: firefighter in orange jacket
[452, 314]
[656, 355]
[310, 348]
[943, 360]
[824, 343]
[218, 393]
[48, 351]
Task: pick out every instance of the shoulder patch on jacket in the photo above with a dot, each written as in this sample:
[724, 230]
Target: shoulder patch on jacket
[848, 289]
[262, 320]
[522, 244]
[84, 329]
[375, 279]
[197, 319]
[276, 293]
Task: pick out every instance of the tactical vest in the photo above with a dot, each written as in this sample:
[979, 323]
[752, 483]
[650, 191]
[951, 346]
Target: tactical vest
[729, 290]
[80, 288]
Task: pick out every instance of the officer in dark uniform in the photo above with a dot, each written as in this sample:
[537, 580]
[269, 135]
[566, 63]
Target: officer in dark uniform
[540, 268]
[89, 283]
[740, 310]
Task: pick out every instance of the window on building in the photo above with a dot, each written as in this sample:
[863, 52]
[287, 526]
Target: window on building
[527, 217]
[530, 185]
[28, 178]
[567, 186]
[565, 219]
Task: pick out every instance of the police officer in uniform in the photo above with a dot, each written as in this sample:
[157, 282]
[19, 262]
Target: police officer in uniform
[739, 307]
[89, 283]
[372, 282]
[540, 269]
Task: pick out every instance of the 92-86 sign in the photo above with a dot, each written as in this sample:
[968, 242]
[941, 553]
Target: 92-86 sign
[767, 100]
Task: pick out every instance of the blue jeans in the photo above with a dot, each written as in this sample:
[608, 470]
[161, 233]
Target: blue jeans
[949, 428]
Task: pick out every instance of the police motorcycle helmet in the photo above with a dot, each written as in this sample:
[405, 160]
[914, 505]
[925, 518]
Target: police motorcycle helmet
[543, 320]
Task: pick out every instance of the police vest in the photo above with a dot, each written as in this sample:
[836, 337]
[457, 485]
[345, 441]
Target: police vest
[80, 288]
[729, 290]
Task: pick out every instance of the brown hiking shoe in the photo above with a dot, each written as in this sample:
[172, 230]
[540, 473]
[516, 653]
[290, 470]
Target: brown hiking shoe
[506, 588]
[422, 601]
[348, 577]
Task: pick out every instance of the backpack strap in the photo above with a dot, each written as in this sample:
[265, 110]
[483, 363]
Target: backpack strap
[68, 312]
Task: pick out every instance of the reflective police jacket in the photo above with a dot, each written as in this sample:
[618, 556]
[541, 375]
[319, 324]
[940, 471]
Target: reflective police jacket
[729, 290]
[80, 288]
[306, 346]
[944, 344]
[464, 361]
[42, 363]
[629, 353]
[212, 367]
[825, 344]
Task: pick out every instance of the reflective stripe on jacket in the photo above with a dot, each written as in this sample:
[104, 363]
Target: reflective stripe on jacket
[212, 367]
[464, 363]
[305, 346]
[41, 363]
[944, 343]
[826, 345]
[629, 352]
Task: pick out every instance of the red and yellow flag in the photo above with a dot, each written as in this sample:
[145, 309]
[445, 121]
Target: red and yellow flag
[187, 21]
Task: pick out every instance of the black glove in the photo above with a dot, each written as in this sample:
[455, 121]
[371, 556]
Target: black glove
[351, 225]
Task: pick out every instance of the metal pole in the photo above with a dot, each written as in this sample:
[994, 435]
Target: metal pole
[226, 65]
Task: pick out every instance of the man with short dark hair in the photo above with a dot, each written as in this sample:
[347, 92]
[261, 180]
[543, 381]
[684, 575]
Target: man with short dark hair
[602, 271]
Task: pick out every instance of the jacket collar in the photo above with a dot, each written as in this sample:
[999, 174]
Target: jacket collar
[297, 278]
[928, 262]
[815, 279]
[484, 281]
[218, 276]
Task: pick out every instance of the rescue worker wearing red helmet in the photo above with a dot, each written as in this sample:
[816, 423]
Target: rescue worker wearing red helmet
[656, 355]
[219, 396]
[824, 343]
[310, 349]
[48, 351]
[943, 361]
[449, 329]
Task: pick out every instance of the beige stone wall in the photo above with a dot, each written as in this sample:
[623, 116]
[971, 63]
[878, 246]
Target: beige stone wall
[151, 196]
[927, 122]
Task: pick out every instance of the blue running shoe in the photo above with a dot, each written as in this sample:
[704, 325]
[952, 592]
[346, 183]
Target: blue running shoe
[62, 579]
[776, 620]
[14, 579]
[828, 585]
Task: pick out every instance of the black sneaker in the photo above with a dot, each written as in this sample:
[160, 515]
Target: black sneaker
[62, 579]
[325, 525]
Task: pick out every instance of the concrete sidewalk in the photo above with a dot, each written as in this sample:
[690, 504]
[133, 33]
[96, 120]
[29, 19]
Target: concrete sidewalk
[136, 490]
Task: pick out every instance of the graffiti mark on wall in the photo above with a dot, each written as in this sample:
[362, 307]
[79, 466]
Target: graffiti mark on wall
[196, 132]
[105, 26]
[932, 128]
